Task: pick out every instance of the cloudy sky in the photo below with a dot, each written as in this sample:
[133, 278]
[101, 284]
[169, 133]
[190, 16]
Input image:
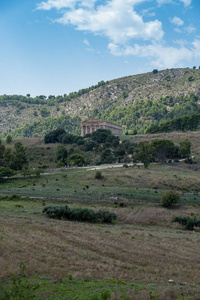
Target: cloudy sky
[59, 46]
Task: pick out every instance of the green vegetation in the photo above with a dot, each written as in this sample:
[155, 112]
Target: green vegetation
[177, 124]
[188, 222]
[8, 139]
[79, 214]
[170, 198]
[16, 159]
[135, 102]
[143, 114]
[44, 126]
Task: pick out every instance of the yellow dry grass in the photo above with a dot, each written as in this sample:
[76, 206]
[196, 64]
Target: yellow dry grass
[137, 249]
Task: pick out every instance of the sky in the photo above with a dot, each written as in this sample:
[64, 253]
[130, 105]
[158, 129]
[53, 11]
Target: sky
[54, 47]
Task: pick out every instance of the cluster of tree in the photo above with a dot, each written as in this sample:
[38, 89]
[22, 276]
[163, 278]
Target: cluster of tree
[42, 127]
[51, 100]
[105, 145]
[109, 149]
[16, 159]
[185, 123]
[160, 149]
[12, 160]
[79, 214]
[143, 114]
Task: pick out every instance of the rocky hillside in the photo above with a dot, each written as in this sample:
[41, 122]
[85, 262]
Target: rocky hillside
[100, 100]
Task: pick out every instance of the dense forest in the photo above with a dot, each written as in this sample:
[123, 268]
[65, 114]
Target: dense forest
[40, 128]
[186, 123]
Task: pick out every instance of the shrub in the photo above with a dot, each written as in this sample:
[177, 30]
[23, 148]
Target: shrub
[190, 78]
[125, 165]
[79, 214]
[188, 222]
[170, 198]
[60, 164]
[76, 160]
[8, 139]
[98, 175]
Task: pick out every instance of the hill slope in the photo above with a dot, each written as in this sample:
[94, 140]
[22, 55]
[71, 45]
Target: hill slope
[122, 100]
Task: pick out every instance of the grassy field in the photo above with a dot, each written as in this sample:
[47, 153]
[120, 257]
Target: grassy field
[73, 260]
[143, 245]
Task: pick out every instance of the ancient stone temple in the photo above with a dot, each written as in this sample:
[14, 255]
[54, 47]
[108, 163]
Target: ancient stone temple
[92, 125]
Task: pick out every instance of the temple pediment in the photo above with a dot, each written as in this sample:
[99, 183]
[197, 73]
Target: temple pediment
[92, 125]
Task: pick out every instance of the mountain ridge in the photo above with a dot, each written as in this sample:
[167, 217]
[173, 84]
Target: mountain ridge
[102, 99]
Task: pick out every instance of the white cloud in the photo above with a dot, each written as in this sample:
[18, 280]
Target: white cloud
[58, 4]
[177, 21]
[160, 55]
[86, 42]
[186, 2]
[190, 29]
[117, 19]
[178, 30]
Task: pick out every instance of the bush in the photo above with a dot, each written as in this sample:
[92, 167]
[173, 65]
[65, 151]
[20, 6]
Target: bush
[188, 222]
[60, 164]
[79, 214]
[98, 175]
[170, 198]
[125, 165]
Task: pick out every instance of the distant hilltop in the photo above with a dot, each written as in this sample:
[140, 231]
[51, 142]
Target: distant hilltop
[136, 102]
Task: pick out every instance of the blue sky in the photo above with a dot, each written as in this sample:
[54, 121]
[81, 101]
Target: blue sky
[53, 47]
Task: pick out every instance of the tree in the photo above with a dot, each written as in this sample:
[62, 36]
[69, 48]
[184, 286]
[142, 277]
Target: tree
[44, 112]
[155, 71]
[19, 159]
[185, 148]
[162, 148]
[76, 160]
[61, 154]
[2, 150]
[170, 198]
[5, 172]
[7, 157]
[54, 136]
[100, 135]
[145, 153]
[8, 139]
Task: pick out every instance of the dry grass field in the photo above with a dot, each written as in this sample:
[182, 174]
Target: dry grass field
[142, 244]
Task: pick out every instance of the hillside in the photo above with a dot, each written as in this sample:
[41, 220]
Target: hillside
[136, 101]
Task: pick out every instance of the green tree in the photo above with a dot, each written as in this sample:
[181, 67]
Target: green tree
[2, 150]
[162, 148]
[8, 139]
[19, 157]
[44, 112]
[5, 172]
[170, 198]
[61, 154]
[8, 157]
[185, 148]
[144, 154]
[76, 160]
